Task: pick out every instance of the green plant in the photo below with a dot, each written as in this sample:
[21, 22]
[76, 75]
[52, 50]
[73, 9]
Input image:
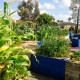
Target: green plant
[25, 31]
[46, 32]
[54, 47]
[76, 56]
[44, 19]
[14, 62]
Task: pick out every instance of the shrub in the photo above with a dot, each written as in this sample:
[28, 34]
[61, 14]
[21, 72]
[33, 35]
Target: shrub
[25, 31]
[46, 31]
[54, 47]
[76, 56]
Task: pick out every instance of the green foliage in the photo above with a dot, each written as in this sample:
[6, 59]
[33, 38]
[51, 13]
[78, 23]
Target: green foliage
[54, 47]
[76, 56]
[45, 19]
[46, 32]
[25, 31]
[54, 44]
[36, 11]
[28, 10]
[14, 62]
[25, 10]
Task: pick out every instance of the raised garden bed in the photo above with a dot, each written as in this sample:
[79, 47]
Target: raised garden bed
[75, 40]
[55, 68]
[50, 67]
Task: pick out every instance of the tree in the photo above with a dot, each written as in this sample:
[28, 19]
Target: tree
[59, 21]
[69, 19]
[36, 11]
[30, 6]
[45, 19]
[74, 9]
[25, 10]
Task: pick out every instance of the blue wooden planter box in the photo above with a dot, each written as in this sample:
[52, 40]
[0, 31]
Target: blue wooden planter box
[74, 42]
[50, 67]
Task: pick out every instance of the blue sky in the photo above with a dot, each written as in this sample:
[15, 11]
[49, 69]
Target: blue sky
[58, 8]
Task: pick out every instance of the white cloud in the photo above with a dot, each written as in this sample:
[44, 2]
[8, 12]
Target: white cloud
[65, 3]
[69, 12]
[56, 1]
[63, 17]
[40, 6]
[47, 6]
[43, 11]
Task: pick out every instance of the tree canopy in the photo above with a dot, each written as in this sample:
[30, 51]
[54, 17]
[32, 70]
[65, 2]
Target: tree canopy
[28, 10]
[74, 8]
[45, 19]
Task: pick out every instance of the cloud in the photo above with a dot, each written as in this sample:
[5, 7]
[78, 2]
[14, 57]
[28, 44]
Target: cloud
[69, 12]
[65, 3]
[47, 6]
[43, 11]
[63, 17]
[56, 1]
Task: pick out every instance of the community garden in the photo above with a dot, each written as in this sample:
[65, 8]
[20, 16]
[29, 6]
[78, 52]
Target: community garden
[52, 52]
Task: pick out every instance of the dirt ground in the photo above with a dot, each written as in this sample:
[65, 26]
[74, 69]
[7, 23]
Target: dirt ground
[39, 77]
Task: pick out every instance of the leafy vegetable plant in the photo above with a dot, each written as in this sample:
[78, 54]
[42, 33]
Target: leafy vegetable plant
[54, 47]
[14, 62]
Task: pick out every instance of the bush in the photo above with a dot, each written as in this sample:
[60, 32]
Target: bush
[25, 31]
[76, 56]
[54, 47]
[46, 32]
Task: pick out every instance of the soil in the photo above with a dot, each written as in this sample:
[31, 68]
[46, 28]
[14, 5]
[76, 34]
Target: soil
[39, 77]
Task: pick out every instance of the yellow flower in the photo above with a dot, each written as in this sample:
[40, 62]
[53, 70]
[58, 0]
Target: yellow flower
[62, 37]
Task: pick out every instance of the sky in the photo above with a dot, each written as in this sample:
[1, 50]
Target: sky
[58, 8]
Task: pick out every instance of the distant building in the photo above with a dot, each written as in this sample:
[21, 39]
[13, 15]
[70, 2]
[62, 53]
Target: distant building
[67, 25]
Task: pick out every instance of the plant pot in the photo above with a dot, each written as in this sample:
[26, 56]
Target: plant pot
[50, 67]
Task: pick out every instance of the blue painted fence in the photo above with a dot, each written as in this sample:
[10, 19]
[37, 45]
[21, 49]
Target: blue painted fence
[48, 66]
